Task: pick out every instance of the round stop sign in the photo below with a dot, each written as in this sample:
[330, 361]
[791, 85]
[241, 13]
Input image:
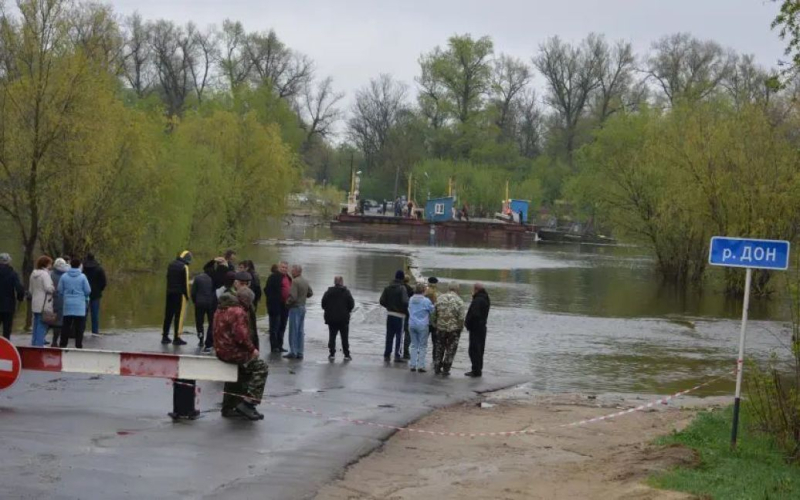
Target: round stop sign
[10, 364]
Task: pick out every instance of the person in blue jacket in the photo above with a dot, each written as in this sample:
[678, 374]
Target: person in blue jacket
[74, 289]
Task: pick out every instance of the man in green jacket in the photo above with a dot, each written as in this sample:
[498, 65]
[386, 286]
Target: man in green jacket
[449, 321]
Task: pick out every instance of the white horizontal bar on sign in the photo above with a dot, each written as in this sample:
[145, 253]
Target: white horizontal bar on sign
[203, 368]
[6, 365]
[90, 361]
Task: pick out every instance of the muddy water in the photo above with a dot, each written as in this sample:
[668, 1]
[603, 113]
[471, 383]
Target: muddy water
[573, 318]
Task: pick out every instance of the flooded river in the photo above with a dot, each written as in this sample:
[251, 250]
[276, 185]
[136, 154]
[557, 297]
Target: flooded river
[573, 318]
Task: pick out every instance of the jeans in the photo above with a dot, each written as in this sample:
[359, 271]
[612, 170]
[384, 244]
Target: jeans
[419, 346]
[394, 334]
[297, 318]
[73, 326]
[94, 308]
[39, 330]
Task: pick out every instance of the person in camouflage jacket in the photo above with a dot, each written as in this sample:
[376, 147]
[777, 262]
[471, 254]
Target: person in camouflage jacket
[233, 344]
[449, 321]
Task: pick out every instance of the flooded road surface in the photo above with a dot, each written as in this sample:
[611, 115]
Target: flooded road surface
[572, 318]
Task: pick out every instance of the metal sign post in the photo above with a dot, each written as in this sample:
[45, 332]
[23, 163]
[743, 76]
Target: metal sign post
[749, 254]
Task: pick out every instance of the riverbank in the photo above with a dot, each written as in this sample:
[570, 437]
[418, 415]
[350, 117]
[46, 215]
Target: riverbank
[609, 459]
[757, 469]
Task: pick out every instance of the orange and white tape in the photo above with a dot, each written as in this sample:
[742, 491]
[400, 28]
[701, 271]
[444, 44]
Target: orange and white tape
[602, 418]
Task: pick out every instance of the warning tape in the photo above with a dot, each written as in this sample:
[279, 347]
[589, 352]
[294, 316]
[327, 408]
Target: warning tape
[602, 418]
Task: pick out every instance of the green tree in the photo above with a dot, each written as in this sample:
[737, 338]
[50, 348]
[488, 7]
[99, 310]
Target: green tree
[464, 73]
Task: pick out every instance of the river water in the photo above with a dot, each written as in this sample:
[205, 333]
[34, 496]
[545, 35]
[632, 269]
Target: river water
[572, 318]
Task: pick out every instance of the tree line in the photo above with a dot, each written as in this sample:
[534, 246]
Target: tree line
[664, 148]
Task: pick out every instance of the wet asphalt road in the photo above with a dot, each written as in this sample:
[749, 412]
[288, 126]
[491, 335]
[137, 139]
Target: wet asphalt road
[81, 436]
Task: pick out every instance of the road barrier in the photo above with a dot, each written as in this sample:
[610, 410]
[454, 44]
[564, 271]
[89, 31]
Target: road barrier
[183, 369]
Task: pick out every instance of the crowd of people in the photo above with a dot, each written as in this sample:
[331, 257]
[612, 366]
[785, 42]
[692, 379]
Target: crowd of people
[226, 297]
[421, 313]
[62, 293]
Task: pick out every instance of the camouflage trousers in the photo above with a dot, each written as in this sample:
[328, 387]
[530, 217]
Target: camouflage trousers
[251, 381]
[445, 350]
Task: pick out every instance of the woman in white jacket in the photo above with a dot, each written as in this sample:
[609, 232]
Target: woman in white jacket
[41, 289]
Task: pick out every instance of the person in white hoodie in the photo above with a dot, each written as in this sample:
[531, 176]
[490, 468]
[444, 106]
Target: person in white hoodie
[41, 289]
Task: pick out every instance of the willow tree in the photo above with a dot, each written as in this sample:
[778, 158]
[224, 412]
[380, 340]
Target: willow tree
[45, 82]
[241, 174]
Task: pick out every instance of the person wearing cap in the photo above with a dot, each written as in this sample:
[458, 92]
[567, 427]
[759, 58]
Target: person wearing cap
[298, 294]
[11, 292]
[395, 300]
[177, 296]
[241, 280]
[233, 344]
[449, 320]
[60, 267]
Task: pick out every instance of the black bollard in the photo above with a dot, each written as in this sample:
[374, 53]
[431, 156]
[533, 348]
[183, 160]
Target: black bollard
[183, 399]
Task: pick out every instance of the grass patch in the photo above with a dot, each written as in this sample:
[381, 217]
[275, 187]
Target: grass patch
[756, 470]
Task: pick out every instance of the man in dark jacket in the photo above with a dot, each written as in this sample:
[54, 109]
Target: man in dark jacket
[97, 281]
[11, 292]
[177, 295]
[277, 291]
[395, 299]
[477, 315]
[338, 303]
[204, 298]
[406, 329]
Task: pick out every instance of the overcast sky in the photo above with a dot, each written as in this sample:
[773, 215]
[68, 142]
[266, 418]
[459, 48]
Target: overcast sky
[355, 40]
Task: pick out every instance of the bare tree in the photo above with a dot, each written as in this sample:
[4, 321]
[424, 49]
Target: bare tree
[509, 79]
[94, 28]
[273, 62]
[319, 111]
[748, 83]
[234, 61]
[684, 67]
[572, 75]
[172, 65]
[377, 109]
[200, 51]
[615, 77]
[138, 67]
[528, 119]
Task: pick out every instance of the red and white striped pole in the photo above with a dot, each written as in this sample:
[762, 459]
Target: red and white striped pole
[183, 369]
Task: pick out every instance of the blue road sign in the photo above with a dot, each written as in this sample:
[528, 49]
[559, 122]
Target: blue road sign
[743, 252]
